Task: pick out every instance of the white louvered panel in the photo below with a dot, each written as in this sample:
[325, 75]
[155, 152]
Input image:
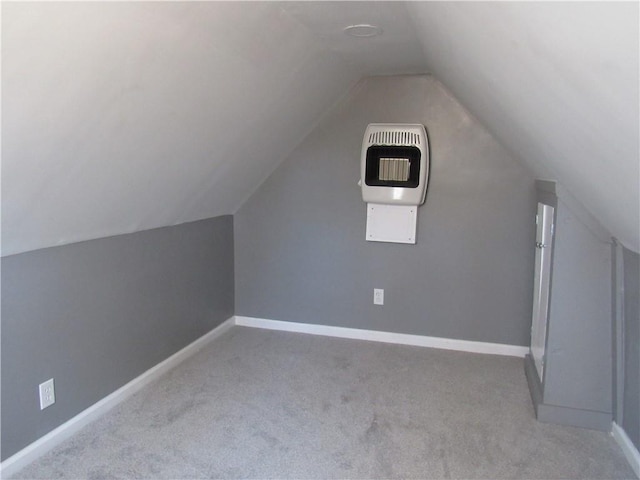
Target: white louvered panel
[393, 173]
[394, 138]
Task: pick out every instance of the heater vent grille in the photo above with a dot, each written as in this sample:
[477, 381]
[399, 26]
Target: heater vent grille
[393, 169]
[394, 138]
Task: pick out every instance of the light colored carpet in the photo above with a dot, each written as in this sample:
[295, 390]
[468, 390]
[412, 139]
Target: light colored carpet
[264, 404]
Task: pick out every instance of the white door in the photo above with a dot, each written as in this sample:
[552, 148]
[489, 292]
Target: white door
[544, 234]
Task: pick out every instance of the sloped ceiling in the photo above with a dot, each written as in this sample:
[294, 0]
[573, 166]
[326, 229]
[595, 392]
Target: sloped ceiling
[557, 83]
[125, 116]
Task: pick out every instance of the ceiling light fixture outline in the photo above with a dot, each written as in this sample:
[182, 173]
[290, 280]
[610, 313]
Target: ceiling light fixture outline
[363, 30]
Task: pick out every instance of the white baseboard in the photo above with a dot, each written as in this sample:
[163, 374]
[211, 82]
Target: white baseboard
[627, 446]
[41, 446]
[385, 337]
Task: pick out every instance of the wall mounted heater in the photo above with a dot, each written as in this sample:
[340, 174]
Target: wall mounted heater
[394, 174]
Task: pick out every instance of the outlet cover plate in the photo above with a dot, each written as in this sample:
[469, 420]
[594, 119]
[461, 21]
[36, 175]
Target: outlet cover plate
[378, 296]
[47, 394]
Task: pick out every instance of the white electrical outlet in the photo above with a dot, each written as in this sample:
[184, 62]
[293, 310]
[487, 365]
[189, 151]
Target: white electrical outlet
[47, 394]
[378, 296]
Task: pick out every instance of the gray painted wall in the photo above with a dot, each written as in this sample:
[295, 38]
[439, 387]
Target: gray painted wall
[577, 384]
[94, 315]
[301, 253]
[578, 352]
[631, 394]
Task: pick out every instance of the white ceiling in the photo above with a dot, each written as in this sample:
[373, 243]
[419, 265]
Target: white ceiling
[125, 116]
[556, 83]
[397, 50]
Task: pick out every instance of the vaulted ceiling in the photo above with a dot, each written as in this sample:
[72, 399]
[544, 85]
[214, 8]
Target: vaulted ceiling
[126, 116]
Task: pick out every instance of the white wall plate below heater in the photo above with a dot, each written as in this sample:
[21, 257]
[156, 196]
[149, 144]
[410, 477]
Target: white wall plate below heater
[391, 223]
